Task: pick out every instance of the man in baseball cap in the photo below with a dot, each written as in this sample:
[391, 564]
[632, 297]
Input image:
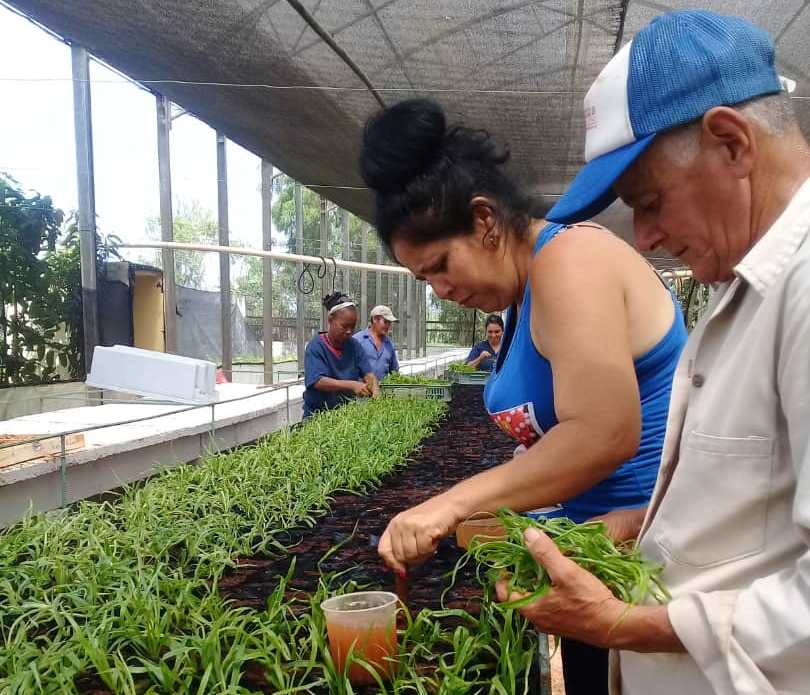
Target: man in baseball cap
[689, 126]
[374, 340]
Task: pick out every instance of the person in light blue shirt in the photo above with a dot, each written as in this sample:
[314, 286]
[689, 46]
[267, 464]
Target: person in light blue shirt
[377, 346]
[335, 368]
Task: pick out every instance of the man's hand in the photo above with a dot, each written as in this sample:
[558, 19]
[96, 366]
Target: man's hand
[578, 605]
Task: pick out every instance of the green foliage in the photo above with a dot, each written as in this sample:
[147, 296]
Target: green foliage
[29, 226]
[693, 298]
[193, 224]
[127, 591]
[623, 570]
[395, 378]
[462, 368]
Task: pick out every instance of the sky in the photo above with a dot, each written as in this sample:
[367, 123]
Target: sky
[37, 144]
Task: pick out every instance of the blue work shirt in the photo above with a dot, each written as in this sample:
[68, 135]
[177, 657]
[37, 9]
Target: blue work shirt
[382, 361]
[321, 359]
[487, 364]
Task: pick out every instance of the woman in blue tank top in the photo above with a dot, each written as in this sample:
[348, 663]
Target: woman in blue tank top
[582, 379]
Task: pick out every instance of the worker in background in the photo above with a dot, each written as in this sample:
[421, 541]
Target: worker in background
[375, 343]
[592, 337]
[335, 367]
[484, 355]
[692, 130]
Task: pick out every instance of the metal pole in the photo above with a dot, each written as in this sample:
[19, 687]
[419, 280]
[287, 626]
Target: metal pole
[364, 273]
[164, 124]
[324, 253]
[260, 253]
[267, 270]
[224, 258]
[403, 319]
[347, 250]
[424, 318]
[411, 299]
[83, 128]
[378, 278]
[299, 298]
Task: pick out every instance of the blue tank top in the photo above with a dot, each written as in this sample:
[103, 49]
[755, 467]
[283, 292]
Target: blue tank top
[519, 397]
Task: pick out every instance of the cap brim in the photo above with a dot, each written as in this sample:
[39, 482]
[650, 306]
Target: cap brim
[592, 189]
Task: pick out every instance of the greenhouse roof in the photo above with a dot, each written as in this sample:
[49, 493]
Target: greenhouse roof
[294, 81]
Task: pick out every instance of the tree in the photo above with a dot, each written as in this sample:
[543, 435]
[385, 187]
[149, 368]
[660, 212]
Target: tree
[193, 224]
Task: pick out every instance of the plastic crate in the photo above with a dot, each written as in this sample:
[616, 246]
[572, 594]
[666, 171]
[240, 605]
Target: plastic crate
[469, 378]
[433, 392]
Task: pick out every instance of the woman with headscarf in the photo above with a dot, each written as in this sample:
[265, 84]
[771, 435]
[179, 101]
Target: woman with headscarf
[335, 367]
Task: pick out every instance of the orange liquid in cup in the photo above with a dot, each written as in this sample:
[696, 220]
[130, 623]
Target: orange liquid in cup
[376, 645]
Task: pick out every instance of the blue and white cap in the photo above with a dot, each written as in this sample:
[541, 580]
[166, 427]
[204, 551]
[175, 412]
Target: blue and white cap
[674, 70]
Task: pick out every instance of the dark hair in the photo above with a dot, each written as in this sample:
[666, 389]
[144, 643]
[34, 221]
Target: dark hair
[332, 300]
[494, 318]
[425, 174]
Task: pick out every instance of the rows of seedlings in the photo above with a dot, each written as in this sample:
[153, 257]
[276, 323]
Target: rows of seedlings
[148, 592]
[122, 596]
[451, 640]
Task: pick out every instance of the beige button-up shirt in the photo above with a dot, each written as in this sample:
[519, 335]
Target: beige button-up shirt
[730, 514]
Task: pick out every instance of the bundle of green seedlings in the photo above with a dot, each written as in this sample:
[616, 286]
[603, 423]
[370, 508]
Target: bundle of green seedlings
[622, 568]
[462, 368]
[123, 595]
[396, 379]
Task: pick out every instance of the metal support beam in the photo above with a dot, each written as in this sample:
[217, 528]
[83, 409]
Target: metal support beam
[324, 229]
[164, 124]
[224, 258]
[267, 270]
[364, 274]
[378, 279]
[83, 128]
[347, 250]
[299, 298]
[411, 316]
[400, 313]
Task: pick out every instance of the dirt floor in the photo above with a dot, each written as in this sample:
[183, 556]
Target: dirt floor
[467, 442]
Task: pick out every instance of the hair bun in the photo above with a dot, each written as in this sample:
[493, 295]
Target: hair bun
[401, 143]
[333, 299]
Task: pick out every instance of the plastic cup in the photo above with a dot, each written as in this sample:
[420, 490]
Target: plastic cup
[366, 622]
[483, 525]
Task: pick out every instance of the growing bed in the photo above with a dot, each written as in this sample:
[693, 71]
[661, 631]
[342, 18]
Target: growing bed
[186, 583]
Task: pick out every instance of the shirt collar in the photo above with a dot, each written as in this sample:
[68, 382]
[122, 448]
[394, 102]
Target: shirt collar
[366, 333]
[768, 258]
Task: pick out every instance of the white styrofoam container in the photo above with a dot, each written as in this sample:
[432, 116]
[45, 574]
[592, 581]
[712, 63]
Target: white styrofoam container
[153, 374]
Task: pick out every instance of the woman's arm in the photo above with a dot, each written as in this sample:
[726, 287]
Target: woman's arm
[578, 308]
[330, 385]
[481, 357]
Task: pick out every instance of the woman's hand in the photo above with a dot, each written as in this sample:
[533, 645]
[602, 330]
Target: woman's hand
[413, 535]
[360, 389]
[372, 384]
[623, 524]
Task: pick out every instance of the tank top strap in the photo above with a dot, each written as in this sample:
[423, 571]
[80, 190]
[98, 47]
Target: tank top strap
[548, 232]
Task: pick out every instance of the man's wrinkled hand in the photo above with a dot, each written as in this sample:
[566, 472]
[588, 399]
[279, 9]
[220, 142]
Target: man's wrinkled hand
[577, 605]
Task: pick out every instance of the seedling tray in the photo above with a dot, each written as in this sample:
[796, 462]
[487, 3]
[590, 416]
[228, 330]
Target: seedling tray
[469, 378]
[436, 392]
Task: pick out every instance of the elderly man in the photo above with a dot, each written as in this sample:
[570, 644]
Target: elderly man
[688, 126]
[378, 347]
